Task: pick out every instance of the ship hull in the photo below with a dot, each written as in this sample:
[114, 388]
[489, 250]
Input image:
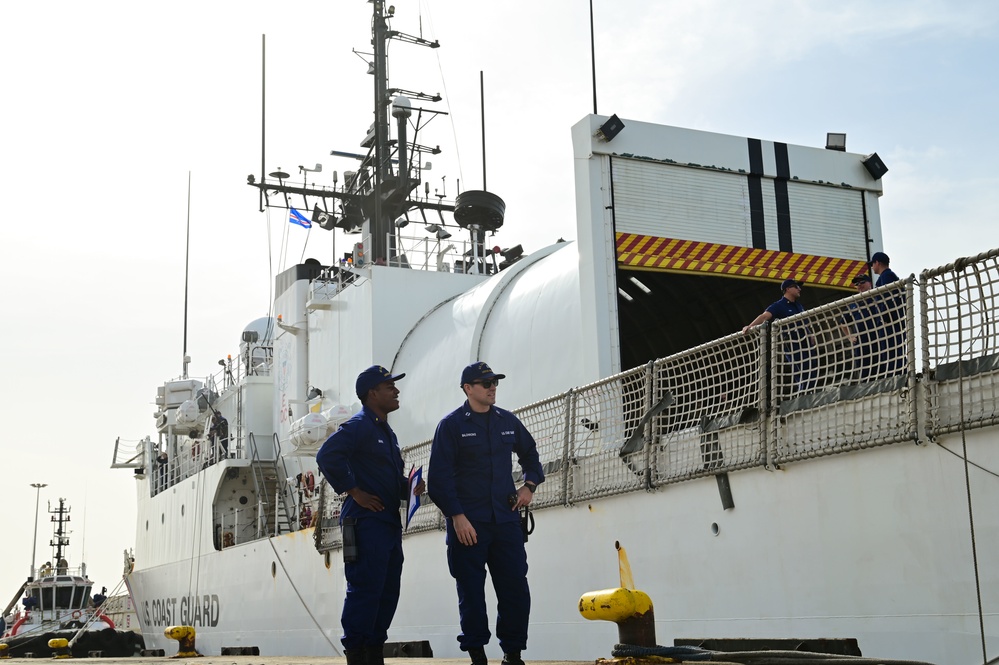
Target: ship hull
[862, 545]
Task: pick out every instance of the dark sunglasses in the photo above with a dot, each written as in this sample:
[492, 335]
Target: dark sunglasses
[488, 383]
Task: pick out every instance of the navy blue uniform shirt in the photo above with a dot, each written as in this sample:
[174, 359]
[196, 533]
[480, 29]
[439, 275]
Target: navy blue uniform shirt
[365, 453]
[471, 463]
[887, 277]
[784, 308]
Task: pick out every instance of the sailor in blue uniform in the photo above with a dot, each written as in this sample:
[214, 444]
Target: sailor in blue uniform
[864, 329]
[798, 339]
[363, 459]
[879, 265]
[470, 479]
[894, 315]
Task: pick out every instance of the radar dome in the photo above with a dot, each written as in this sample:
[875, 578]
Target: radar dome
[260, 331]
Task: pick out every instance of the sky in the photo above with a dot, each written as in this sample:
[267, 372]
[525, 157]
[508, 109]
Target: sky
[109, 105]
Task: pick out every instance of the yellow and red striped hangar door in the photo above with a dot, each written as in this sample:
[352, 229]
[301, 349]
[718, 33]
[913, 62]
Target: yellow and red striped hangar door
[646, 252]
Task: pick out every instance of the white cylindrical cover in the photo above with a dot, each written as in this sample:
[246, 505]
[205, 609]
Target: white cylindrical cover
[308, 433]
[188, 414]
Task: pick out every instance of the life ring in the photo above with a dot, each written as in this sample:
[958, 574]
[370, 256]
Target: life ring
[310, 483]
[77, 614]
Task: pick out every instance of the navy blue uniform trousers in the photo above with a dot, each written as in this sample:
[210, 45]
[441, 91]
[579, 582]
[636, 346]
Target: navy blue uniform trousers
[501, 548]
[372, 584]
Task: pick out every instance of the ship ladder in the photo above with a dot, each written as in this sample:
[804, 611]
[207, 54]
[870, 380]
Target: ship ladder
[275, 516]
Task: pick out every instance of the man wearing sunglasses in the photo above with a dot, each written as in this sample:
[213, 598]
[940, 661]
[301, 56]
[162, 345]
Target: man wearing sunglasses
[471, 480]
[798, 340]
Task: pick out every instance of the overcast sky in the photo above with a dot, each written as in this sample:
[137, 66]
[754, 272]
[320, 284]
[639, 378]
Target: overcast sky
[109, 104]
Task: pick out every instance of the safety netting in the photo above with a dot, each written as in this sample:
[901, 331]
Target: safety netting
[838, 378]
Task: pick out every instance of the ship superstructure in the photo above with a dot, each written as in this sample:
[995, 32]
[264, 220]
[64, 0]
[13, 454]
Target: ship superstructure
[760, 493]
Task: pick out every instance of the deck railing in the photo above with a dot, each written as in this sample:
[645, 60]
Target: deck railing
[837, 378]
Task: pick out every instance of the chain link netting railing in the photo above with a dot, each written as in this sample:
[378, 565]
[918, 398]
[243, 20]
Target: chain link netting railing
[959, 305]
[713, 422]
[836, 378]
[603, 417]
[548, 421]
[843, 375]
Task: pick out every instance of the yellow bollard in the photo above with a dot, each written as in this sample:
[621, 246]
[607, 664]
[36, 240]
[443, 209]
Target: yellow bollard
[185, 636]
[60, 647]
[629, 608]
[4, 651]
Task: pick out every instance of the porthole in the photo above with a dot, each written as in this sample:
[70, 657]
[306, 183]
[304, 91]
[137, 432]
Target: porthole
[162, 518]
[147, 525]
[182, 511]
[715, 528]
[328, 560]
[273, 569]
[243, 500]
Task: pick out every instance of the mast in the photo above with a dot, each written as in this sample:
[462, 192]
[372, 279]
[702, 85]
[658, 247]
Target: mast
[187, 259]
[373, 197]
[60, 536]
[379, 226]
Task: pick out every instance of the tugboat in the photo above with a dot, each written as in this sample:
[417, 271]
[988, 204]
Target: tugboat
[58, 604]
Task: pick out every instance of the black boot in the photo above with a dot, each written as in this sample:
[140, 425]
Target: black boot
[478, 656]
[356, 656]
[512, 658]
[375, 655]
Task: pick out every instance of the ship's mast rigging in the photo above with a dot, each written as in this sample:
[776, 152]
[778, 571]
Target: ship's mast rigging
[377, 193]
[60, 536]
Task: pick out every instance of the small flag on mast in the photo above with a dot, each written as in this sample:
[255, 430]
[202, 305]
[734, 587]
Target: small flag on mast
[296, 217]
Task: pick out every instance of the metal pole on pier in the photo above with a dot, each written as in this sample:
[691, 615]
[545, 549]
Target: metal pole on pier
[34, 541]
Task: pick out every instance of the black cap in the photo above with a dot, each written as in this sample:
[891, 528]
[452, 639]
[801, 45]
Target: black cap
[860, 279]
[477, 372]
[371, 377]
[880, 257]
[788, 283]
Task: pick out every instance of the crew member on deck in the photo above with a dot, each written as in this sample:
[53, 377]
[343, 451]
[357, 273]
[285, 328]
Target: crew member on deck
[893, 307]
[471, 481]
[363, 459]
[798, 339]
[879, 265]
[863, 327]
[218, 433]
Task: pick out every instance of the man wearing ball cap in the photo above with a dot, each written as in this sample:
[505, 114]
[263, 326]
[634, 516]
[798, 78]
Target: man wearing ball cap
[787, 306]
[894, 306]
[798, 338]
[471, 481]
[363, 460]
[879, 265]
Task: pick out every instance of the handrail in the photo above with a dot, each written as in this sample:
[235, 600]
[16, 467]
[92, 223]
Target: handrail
[756, 400]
